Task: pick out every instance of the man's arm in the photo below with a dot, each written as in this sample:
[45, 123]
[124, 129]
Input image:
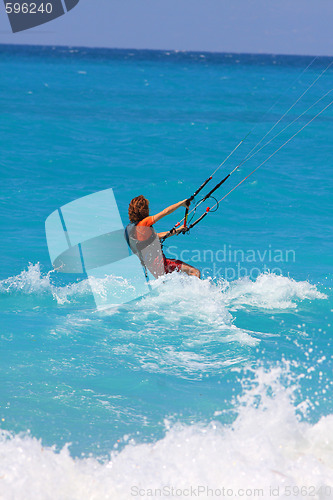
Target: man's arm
[169, 210]
[168, 234]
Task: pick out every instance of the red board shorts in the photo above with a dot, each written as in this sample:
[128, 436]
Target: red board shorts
[171, 265]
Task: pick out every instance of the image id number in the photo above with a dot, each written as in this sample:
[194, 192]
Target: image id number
[28, 8]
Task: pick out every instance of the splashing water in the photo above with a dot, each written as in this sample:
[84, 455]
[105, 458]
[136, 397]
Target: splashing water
[267, 446]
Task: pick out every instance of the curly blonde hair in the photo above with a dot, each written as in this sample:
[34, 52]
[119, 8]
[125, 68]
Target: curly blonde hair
[138, 209]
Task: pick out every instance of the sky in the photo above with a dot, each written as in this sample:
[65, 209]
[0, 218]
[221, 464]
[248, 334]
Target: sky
[240, 26]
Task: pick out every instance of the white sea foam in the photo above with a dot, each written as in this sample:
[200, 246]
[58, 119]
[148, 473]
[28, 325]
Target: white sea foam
[270, 291]
[266, 447]
[208, 299]
[33, 282]
[179, 294]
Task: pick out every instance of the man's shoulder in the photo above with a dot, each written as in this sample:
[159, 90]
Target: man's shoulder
[148, 221]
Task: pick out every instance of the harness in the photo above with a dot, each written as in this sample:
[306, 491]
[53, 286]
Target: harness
[148, 251]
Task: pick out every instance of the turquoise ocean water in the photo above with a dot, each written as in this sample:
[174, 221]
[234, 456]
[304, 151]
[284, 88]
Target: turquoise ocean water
[224, 382]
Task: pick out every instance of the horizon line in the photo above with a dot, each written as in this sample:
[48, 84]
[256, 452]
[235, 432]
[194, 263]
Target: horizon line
[175, 51]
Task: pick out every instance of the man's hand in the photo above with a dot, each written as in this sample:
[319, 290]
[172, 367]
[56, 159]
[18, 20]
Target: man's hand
[180, 228]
